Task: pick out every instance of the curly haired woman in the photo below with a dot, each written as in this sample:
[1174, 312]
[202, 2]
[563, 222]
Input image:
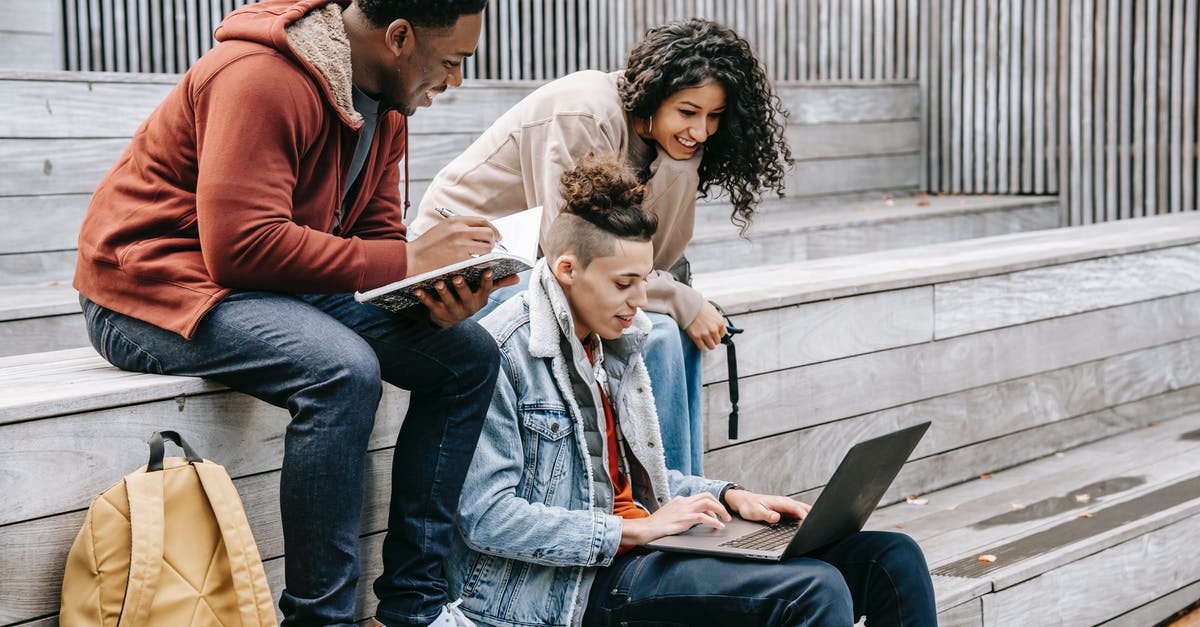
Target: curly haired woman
[692, 110]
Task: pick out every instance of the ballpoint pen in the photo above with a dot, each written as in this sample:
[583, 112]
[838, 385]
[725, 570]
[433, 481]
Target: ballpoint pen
[446, 213]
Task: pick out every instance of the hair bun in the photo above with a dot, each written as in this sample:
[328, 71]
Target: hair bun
[600, 184]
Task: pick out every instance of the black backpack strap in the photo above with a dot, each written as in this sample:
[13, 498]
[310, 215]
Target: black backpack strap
[158, 449]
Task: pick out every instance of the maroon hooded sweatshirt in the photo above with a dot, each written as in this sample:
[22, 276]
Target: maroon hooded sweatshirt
[235, 180]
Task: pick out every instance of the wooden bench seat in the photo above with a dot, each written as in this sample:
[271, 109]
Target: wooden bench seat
[1017, 347]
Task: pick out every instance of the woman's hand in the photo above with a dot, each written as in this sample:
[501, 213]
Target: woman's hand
[678, 515]
[708, 328]
[768, 508]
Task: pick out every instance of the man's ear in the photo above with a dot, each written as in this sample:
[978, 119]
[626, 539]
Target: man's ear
[399, 37]
[564, 269]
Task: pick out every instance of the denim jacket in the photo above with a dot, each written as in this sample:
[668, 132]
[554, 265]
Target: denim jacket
[530, 539]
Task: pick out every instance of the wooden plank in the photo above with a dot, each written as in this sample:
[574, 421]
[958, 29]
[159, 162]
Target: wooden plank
[1124, 133]
[969, 52]
[1054, 97]
[30, 17]
[1159, 610]
[46, 223]
[815, 394]
[1060, 403]
[86, 451]
[822, 141]
[30, 50]
[43, 543]
[1190, 92]
[1107, 103]
[986, 173]
[42, 334]
[1039, 98]
[56, 166]
[837, 176]
[848, 103]
[1018, 32]
[1152, 113]
[991, 302]
[1138, 179]
[954, 110]
[1003, 112]
[979, 136]
[1175, 156]
[1162, 130]
[785, 284]
[815, 332]
[37, 268]
[919, 231]
[1085, 592]
[969, 614]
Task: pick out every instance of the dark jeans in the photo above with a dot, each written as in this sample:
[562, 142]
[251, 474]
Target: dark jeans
[323, 357]
[877, 574]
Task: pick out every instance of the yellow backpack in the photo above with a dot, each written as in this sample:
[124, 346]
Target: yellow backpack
[167, 545]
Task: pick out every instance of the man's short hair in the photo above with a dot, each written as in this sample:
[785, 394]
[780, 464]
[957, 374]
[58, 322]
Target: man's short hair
[602, 203]
[423, 13]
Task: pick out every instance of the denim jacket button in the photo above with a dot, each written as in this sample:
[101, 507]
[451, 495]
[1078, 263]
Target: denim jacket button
[650, 444]
[554, 427]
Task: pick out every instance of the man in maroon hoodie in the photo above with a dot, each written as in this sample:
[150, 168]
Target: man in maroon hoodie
[227, 240]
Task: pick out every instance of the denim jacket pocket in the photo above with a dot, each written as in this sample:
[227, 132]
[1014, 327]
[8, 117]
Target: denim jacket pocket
[550, 422]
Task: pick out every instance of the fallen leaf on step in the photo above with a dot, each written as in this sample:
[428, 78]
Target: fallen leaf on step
[1086, 515]
[889, 202]
[899, 525]
[1083, 498]
[1153, 423]
[951, 508]
[988, 559]
[1018, 506]
[923, 203]
[986, 475]
[1060, 454]
[913, 500]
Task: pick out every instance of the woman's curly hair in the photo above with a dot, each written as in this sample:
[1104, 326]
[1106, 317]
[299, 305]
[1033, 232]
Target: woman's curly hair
[749, 152]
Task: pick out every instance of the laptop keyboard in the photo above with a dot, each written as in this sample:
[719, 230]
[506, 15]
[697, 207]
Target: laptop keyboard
[766, 539]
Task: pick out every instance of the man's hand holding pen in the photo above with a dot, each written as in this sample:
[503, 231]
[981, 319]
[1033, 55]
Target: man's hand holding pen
[456, 238]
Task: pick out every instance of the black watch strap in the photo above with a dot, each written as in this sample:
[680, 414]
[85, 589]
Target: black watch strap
[727, 488]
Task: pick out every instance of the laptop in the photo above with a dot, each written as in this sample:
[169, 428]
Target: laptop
[843, 507]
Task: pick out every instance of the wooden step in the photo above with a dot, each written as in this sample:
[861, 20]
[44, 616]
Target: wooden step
[1084, 536]
[784, 232]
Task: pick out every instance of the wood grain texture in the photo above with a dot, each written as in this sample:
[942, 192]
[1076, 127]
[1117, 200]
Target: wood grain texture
[991, 302]
[814, 394]
[1086, 592]
[811, 104]
[969, 614]
[1159, 610]
[787, 284]
[42, 544]
[85, 451]
[39, 167]
[837, 176]
[37, 335]
[824, 141]
[37, 268]
[777, 339]
[42, 223]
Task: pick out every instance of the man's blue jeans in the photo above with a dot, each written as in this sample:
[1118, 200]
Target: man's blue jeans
[673, 363]
[324, 358]
[877, 574]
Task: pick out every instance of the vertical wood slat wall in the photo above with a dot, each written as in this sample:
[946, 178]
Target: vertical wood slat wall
[544, 39]
[1095, 100]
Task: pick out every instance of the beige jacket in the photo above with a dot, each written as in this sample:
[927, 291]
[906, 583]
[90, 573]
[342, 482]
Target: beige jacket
[517, 164]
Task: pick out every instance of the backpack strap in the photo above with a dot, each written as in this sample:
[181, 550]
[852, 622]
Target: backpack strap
[255, 603]
[145, 491]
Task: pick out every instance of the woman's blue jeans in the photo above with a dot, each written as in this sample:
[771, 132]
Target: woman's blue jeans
[880, 575]
[673, 362]
[324, 358]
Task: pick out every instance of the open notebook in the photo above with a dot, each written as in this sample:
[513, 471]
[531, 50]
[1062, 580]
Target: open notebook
[516, 252]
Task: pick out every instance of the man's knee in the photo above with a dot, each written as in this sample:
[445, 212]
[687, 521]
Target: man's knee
[819, 594]
[478, 355]
[897, 552]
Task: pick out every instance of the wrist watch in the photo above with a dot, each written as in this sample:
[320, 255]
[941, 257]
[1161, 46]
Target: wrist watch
[727, 488]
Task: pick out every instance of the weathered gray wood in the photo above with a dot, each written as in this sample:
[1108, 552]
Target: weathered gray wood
[835, 176]
[1084, 592]
[825, 141]
[969, 614]
[1159, 610]
[42, 334]
[85, 451]
[818, 393]
[42, 223]
[965, 504]
[75, 107]
[793, 461]
[815, 332]
[32, 301]
[782, 285]
[56, 166]
[991, 302]
[850, 103]
[37, 268]
[42, 544]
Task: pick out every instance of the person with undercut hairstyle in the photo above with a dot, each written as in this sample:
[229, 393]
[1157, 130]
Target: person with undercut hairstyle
[694, 114]
[569, 481]
[227, 242]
